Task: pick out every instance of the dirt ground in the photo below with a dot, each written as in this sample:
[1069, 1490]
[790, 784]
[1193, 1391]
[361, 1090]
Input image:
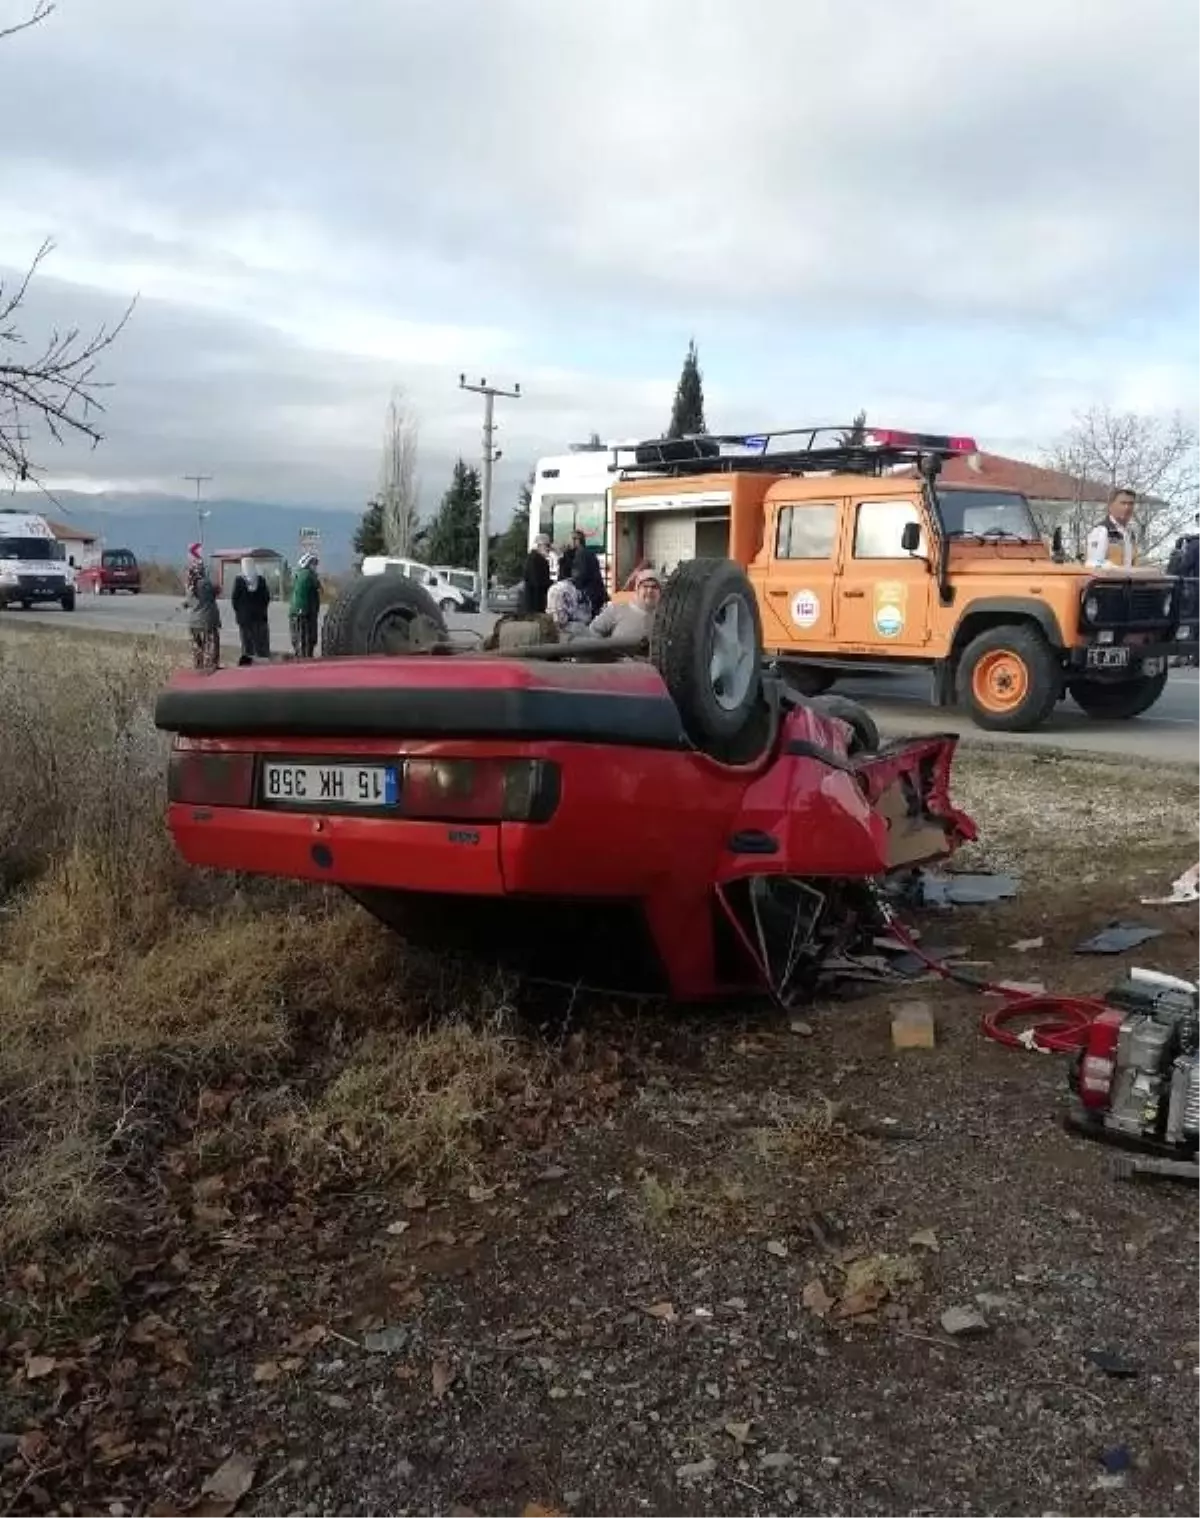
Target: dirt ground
[702, 1269]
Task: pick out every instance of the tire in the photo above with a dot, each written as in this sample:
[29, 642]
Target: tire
[1102, 700]
[709, 616]
[865, 738]
[447, 606]
[68, 601]
[382, 614]
[1009, 679]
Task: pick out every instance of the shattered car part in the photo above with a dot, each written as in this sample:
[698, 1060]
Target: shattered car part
[1118, 938]
[940, 889]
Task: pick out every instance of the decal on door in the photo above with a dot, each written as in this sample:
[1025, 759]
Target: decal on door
[891, 597]
[806, 608]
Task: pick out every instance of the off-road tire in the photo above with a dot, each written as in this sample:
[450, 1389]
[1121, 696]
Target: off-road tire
[865, 738]
[67, 602]
[682, 639]
[1028, 652]
[370, 617]
[1117, 702]
[447, 606]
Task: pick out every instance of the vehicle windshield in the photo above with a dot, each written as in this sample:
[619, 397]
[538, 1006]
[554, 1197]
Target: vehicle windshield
[118, 558]
[988, 515]
[46, 549]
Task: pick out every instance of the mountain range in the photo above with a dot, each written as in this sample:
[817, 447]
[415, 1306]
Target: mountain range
[159, 527]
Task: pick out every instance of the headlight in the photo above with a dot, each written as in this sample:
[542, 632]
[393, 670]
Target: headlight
[1091, 608]
[1168, 599]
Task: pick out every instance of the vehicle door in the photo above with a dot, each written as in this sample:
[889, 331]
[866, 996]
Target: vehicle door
[802, 575]
[885, 594]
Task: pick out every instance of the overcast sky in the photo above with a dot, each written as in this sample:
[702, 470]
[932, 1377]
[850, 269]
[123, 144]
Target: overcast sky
[972, 214]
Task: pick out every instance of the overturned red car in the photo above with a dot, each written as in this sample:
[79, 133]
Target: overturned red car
[677, 823]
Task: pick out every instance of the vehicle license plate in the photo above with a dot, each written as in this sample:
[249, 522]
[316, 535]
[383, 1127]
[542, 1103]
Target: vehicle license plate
[332, 785]
[1107, 658]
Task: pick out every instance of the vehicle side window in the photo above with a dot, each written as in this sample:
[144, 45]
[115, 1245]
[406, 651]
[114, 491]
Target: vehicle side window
[879, 526]
[806, 532]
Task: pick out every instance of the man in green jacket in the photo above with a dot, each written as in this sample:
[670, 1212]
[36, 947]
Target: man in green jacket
[305, 607]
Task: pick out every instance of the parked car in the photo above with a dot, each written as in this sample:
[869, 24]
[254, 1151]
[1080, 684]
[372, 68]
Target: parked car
[446, 594]
[118, 569]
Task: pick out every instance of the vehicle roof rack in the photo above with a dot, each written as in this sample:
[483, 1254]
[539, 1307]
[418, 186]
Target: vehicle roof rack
[795, 450]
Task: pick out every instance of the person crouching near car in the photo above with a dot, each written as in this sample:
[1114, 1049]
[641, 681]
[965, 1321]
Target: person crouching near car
[305, 609]
[630, 620]
[251, 598]
[567, 604]
[204, 615]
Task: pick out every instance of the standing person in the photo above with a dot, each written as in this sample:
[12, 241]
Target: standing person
[251, 597]
[589, 579]
[535, 583]
[1114, 541]
[305, 609]
[204, 615]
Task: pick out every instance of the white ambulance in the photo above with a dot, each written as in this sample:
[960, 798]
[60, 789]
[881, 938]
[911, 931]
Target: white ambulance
[33, 563]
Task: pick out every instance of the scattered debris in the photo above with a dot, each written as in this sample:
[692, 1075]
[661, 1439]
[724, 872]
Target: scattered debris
[1024, 945]
[37, 1366]
[939, 889]
[913, 1026]
[778, 1248]
[816, 1298]
[1113, 1363]
[739, 1432]
[778, 1460]
[964, 1323]
[1116, 1459]
[386, 1341]
[697, 1470]
[925, 1238]
[401, 1225]
[229, 1483]
[1133, 1167]
[799, 1026]
[1118, 938]
[1019, 987]
[665, 1311]
[1185, 889]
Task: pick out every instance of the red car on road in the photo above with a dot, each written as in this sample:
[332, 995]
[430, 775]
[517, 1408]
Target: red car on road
[118, 570]
[678, 823]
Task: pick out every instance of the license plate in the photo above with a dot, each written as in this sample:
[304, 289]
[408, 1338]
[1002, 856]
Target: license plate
[1107, 658]
[331, 785]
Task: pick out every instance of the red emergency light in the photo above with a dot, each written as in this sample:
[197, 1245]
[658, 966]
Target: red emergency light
[890, 437]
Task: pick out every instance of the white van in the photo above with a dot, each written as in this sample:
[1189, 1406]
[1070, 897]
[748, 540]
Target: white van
[33, 563]
[448, 595]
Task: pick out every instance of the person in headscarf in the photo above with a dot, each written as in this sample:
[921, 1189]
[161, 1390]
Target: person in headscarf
[580, 564]
[305, 609]
[251, 597]
[204, 615]
[568, 604]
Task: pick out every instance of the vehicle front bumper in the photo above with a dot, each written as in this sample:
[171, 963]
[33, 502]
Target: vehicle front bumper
[34, 588]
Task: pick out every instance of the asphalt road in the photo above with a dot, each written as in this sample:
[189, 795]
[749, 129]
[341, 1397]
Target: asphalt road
[899, 702]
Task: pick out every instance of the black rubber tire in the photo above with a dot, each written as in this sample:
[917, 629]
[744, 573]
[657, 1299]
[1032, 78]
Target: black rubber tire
[1045, 678]
[681, 649]
[806, 679]
[856, 717]
[447, 606]
[68, 601]
[1105, 701]
[381, 614]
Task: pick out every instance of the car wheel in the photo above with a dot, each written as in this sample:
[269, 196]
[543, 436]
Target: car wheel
[1118, 701]
[1009, 679]
[382, 614]
[706, 642]
[865, 734]
[447, 606]
[68, 601]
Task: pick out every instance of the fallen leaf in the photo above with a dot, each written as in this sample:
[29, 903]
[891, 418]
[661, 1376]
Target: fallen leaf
[739, 1432]
[265, 1372]
[1023, 945]
[307, 1338]
[778, 1248]
[816, 1298]
[37, 1366]
[33, 1445]
[855, 1303]
[662, 1310]
[925, 1238]
[485, 1194]
[414, 1199]
[401, 1225]
[523, 1335]
[442, 1376]
[231, 1480]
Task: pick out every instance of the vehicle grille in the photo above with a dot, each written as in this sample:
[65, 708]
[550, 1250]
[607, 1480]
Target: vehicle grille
[1128, 605]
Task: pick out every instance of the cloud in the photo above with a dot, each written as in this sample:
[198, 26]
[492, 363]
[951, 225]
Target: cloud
[940, 206]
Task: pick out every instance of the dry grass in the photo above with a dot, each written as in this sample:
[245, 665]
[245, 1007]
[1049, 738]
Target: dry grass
[130, 986]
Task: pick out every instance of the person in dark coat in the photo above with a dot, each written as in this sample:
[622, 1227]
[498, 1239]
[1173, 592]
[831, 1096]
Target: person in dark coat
[535, 584]
[589, 579]
[305, 608]
[251, 597]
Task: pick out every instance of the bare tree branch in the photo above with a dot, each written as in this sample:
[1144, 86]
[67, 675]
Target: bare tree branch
[398, 485]
[54, 390]
[41, 10]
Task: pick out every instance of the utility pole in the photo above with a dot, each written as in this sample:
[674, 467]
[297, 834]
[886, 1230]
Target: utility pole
[490, 455]
[199, 480]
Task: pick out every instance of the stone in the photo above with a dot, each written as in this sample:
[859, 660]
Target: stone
[964, 1322]
[778, 1460]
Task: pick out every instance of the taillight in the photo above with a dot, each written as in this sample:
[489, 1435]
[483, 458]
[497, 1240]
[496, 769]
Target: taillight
[1098, 1062]
[199, 777]
[479, 790]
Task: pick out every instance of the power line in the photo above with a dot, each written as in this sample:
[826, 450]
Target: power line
[490, 455]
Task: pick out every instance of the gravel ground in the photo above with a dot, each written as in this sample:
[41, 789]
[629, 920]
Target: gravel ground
[720, 1286]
